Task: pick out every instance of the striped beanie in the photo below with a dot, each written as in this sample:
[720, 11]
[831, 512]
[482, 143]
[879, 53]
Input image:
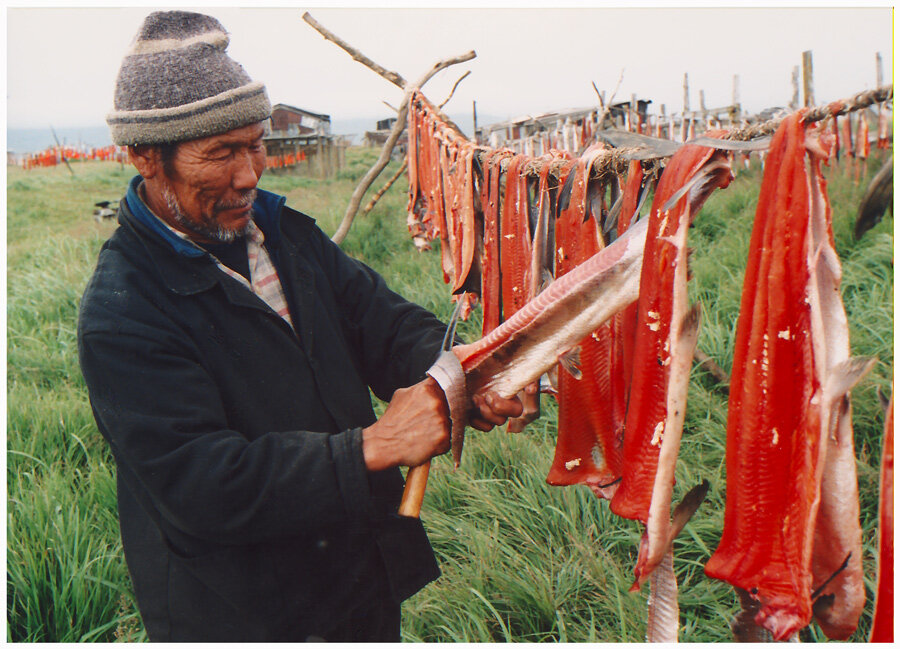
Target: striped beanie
[177, 83]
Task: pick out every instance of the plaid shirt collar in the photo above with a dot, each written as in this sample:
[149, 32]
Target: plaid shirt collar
[264, 281]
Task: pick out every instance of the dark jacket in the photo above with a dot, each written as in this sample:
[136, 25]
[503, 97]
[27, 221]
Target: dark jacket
[246, 509]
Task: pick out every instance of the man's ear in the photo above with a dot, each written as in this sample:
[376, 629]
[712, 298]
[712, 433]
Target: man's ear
[146, 160]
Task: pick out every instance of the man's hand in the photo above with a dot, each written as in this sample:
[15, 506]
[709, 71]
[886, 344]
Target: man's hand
[414, 428]
[416, 425]
[490, 409]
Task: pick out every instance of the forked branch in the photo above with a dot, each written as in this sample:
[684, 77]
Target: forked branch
[399, 125]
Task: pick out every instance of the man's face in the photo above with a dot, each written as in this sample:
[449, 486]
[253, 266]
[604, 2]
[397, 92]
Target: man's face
[210, 186]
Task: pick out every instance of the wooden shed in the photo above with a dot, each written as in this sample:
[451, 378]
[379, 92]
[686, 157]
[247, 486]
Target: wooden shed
[292, 120]
[294, 136]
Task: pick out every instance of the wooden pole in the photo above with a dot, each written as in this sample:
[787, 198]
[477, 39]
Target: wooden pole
[879, 69]
[474, 123]
[795, 84]
[703, 108]
[808, 94]
[687, 107]
[735, 101]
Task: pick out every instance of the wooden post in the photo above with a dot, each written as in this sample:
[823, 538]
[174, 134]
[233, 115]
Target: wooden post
[703, 109]
[332, 154]
[879, 70]
[808, 95]
[687, 107]
[735, 101]
[320, 157]
[635, 118]
[795, 84]
[663, 122]
[474, 122]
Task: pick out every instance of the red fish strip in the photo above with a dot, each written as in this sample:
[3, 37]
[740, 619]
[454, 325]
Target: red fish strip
[490, 281]
[515, 241]
[589, 443]
[647, 404]
[774, 453]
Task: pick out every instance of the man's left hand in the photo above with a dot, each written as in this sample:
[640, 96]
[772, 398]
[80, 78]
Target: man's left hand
[490, 409]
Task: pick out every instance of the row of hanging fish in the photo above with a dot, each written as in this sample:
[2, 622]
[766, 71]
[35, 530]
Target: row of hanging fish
[622, 389]
[551, 226]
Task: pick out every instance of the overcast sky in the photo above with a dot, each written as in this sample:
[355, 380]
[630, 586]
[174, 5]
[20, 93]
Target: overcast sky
[62, 62]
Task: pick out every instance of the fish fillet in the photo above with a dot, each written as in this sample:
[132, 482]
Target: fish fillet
[667, 329]
[490, 281]
[589, 438]
[788, 419]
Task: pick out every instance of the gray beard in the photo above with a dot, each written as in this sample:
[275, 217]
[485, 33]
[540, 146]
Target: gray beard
[208, 231]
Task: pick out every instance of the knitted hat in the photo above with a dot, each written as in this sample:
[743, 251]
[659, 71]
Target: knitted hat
[177, 83]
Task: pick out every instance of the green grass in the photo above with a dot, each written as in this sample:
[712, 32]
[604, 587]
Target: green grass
[521, 561]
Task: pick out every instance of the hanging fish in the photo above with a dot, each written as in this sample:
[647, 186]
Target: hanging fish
[662, 356]
[491, 271]
[589, 438]
[788, 418]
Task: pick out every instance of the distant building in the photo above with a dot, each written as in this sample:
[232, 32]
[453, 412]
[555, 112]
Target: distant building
[379, 136]
[294, 135]
[289, 120]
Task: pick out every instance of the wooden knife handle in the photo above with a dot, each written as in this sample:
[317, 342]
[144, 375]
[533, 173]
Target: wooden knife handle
[414, 491]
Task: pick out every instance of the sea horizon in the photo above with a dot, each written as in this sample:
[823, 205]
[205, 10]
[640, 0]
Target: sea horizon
[23, 140]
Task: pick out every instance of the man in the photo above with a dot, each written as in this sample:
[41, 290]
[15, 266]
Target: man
[228, 347]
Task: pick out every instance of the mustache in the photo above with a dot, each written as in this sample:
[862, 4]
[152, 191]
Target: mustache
[246, 199]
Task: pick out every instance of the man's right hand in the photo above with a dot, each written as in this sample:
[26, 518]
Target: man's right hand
[414, 428]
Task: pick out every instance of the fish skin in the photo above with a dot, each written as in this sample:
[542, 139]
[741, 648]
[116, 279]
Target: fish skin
[462, 216]
[788, 419]
[837, 531]
[589, 444]
[520, 350]
[883, 617]
[744, 627]
[412, 157]
[660, 530]
[662, 302]
[662, 605]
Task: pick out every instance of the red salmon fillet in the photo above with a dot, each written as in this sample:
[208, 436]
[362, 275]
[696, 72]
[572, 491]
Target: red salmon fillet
[647, 402]
[515, 239]
[490, 279]
[774, 453]
[589, 439]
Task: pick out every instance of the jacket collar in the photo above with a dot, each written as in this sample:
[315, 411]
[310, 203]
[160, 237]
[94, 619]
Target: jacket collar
[185, 267]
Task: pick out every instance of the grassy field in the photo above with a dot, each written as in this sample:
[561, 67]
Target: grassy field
[521, 561]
